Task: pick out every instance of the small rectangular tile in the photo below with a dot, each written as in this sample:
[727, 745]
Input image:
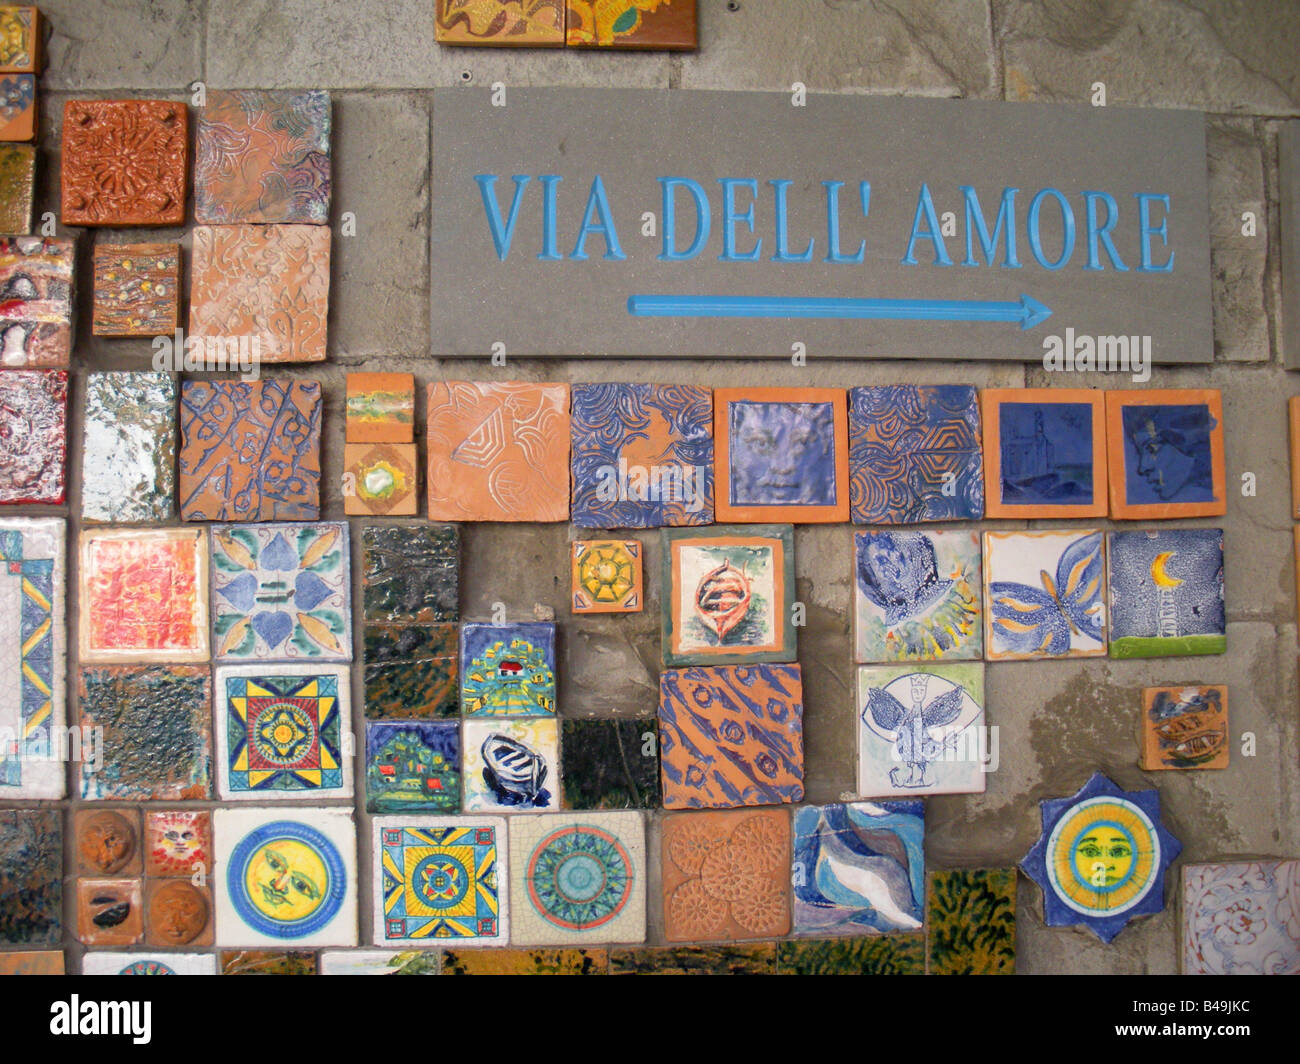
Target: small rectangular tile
[507, 670]
[971, 922]
[129, 456]
[510, 764]
[380, 408]
[610, 764]
[1238, 918]
[137, 289]
[107, 841]
[380, 479]
[892, 954]
[413, 767]
[411, 671]
[17, 187]
[411, 573]
[667, 26]
[503, 23]
[21, 39]
[607, 576]
[758, 959]
[380, 962]
[31, 877]
[177, 843]
[18, 96]
[36, 273]
[1293, 420]
[1166, 593]
[525, 962]
[110, 912]
[33, 447]
[105, 962]
[1185, 727]
[32, 962]
[267, 962]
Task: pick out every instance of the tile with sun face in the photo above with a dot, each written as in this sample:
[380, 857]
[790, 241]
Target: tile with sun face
[1166, 454]
[177, 842]
[507, 670]
[607, 576]
[1185, 727]
[1239, 918]
[1166, 593]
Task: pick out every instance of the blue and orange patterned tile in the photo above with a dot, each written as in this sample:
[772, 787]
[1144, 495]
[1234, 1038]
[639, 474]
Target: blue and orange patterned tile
[413, 767]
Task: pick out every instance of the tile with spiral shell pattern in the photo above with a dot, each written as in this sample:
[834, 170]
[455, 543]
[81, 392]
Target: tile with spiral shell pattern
[971, 922]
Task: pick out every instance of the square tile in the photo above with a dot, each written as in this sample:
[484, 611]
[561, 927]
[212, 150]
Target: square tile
[250, 450]
[156, 722]
[1044, 452]
[498, 452]
[500, 22]
[411, 573]
[137, 289]
[263, 156]
[859, 868]
[667, 26]
[144, 595]
[731, 735]
[380, 408]
[18, 107]
[525, 962]
[892, 954]
[921, 730]
[1044, 595]
[36, 283]
[507, 670]
[782, 454]
[727, 595]
[105, 962]
[125, 162]
[177, 843]
[607, 576]
[177, 913]
[441, 879]
[33, 658]
[971, 922]
[412, 671]
[1166, 454]
[267, 962]
[413, 767]
[381, 962]
[510, 765]
[129, 456]
[110, 912]
[610, 764]
[265, 286]
[31, 877]
[33, 445]
[1238, 918]
[283, 732]
[17, 187]
[108, 841]
[578, 878]
[21, 40]
[32, 962]
[1185, 727]
[380, 479]
[914, 454]
[281, 592]
[1166, 593]
[726, 876]
[917, 596]
[286, 877]
[642, 455]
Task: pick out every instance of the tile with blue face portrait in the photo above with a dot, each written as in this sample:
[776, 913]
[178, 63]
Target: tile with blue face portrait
[1167, 454]
[1046, 453]
[782, 454]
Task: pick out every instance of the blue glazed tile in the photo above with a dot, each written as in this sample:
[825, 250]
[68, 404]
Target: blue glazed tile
[1047, 452]
[1167, 457]
[413, 767]
[507, 670]
[1166, 593]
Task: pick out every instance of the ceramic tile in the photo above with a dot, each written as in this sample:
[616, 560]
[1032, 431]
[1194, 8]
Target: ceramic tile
[36, 287]
[578, 878]
[262, 156]
[177, 913]
[412, 671]
[922, 730]
[894, 954]
[859, 868]
[33, 656]
[1101, 857]
[510, 764]
[108, 842]
[971, 922]
[144, 595]
[917, 596]
[250, 450]
[18, 97]
[265, 286]
[1185, 727]
[108, 963]
[267, 962]
[283, 732]
[727, 595]
[125, 162]
[31, 877]
[758, 959]
[1293, 418]
[177, 843]
[731, 735]
[21, 32]
[33, 436]
[156, 722]
[610, 764]
[411, 573]
[1166, 593]
[381, 962]
[33, 962]
[782, 454]
[498, 452]
[110, 912]
[642, 455]
[17, 187]
[413, 767]
[1239, 918]
[129, 456]
[914, 454]
[137, 289]
[441, 879]
[1044, 595]
[535, 24]
[726, 875]
[666, 26]
[380, 479]
[380, 408]
[286, 877]
[281, 592]
[507, 670]
[607, 576]
[525, 962]
[1044, 452]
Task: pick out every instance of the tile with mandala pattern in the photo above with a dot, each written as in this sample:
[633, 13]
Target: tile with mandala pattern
[411, 671]
[267, 962]
[661, 25]
[267, 283]
[971, 922]
[263, 156]
[507, 670]
[380, 408]
[610, 764]
[1241, 918]
[32, 962]
[18, 95]
[250, 450]
[31, 877]
[137, 289]
[413, 767]
[510, 764]
[893, 954]
[125, 162]
[525, 962]
[380, 962]
[281, 592]
[129, 448]
[607, 576]
[105, 962]
[411, 573]
[758, 959]
[33, 436]
[21, 40]
[380, 479]
[177, 843]
[17, 187]
[523, 23]
[36, 286]
[144, 595]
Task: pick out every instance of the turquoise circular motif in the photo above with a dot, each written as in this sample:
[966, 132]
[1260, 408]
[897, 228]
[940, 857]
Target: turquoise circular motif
[580, 877]
[441, 881]
[146, 968]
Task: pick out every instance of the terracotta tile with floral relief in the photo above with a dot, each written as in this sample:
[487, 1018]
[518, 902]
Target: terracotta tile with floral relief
[36, 300]
[380, 408]
[267, 962]
[517, 23]
[658, 25]
[137, 289]
[108, 842]
[607, 576]
[21, 43]
[17, 187]
[128, 466]
[18, 107]
[31, 877]
[33, 436]
[177, 843]
[177, 913]
[32, 962]
[380, 479]
[110, 912]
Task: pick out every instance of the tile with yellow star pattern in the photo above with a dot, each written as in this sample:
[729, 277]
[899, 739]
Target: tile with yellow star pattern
[607, 576]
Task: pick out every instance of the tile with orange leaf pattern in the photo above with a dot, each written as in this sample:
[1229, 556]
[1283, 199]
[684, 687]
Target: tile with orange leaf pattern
[503, 23]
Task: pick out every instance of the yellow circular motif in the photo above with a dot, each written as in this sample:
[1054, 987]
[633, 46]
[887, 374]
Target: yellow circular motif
[606, 573]
[1102, 856]
[286, 879]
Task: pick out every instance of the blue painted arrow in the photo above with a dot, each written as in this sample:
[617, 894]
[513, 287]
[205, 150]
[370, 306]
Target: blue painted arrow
[1027, 311]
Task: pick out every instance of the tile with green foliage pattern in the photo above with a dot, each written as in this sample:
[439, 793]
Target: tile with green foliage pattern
[971, 922]
[874, 955]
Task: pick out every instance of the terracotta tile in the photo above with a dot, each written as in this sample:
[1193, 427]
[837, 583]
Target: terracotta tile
[129, 458]
[1237, 919]
[726, 875]
[1185, 727]
[21, 44]
[125, 162]
[36, 300]
[782, 454]
[33, 443]
[522, 23]
[412, 671]
[607, 576]
[156, 723]
[507, 670]
[137, 289]
[510, 764]
[177, 914]
[31, 877]
[666, 26]
[38, 962]
[17, 187]
[267, 962]
[1044, 452]
[411, 573]
[381, 962]
[1293, 418]
[144, 595]
[971, 922]
[498, 452]
[110, 912]
[177, 843]
[250, 451]
[108, 842]
[413, 767]
[380, 479]
[1166, 593]
[731, 735]
[525, 962]
[380, 408]
[105, 962]
[268, 283]
[263, 156]
[758, 959]
[894, 954]
[610, 764]
[18, 96]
